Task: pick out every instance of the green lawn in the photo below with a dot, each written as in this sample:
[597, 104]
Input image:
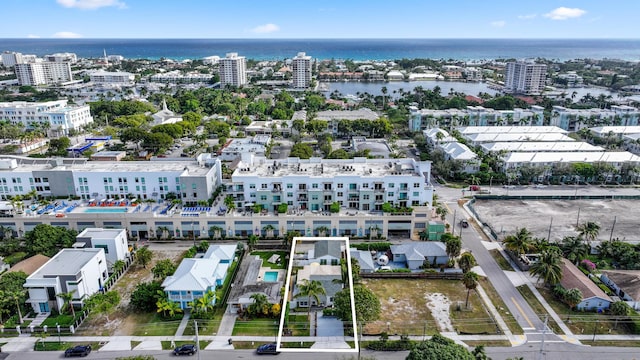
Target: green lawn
[205, 327]
[265, 255]
[500, 260]
[527, 294]
[151, 324]
[166, 345]
[56, 346]
[256, 327]
[298, 345]
[299, 325]
[507, 316]
[62, 320]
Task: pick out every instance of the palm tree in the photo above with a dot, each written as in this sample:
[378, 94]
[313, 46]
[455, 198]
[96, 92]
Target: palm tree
[18, 297]
[466, 262]
[144, 256]
[547, 268]
[252, 240]
[520, 242]
[310, 289]
[572, 298]
[67, 298]
[470, 281]
[118, 266]
[574, 249]
[322, 230]
[453, 246]
[204, 303]
[216, 232]
[260, 304]
[269, 230]
[589, 231]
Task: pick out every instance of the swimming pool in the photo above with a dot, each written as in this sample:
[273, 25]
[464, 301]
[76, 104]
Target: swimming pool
[270, 276]
[106, 210]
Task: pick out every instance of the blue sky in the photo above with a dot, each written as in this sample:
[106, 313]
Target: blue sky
[320, 19]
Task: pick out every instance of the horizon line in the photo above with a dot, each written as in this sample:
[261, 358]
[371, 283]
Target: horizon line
[320, 38]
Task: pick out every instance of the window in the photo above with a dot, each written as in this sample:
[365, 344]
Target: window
[314, 186]
[289, 186]
[416, 193]
[314, 197]
[416, 185]
[390, 194]
[340, 185]
[365, 197]
[340, 194]
[289, 194]
[392, 185]
[352, 186]
[365, 186]
[263, 197]
[263, 186]
[252, 186]
[104, 247]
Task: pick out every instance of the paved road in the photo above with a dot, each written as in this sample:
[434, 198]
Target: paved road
[554, 351]
[472, 240]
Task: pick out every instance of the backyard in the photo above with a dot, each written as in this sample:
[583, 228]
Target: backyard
[417, 307]
[266, 255]
[122, 320]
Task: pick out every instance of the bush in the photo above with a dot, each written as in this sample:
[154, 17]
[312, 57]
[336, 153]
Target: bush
[588, 265]
[376, 246]
[394, 345]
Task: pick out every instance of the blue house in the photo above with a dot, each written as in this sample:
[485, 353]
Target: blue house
[195, 276]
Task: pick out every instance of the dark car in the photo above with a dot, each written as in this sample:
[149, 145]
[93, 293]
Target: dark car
[464, 223]
[268, 349]
[80, 350]
[186, 349]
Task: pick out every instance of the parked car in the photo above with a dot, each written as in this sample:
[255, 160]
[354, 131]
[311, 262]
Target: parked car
[464, 223]
[186, 349]
[268, 349]
[509, 186]
[80, 350]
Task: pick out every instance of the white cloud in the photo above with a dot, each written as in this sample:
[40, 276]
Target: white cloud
[498, 24]
[527, 16]
[91, 4]
[564, 13]
[32, 36]
[66, 35]
[265, 29]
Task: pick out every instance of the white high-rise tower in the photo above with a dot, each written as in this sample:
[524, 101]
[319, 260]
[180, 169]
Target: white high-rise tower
[301, 71]
[233, 70]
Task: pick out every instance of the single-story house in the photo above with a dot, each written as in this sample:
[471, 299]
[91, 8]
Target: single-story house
[625, 284]
[81, 271]
[195, 276]
[30, 264]
[593, 298]
[325, 274]
[415, 254]
[365, 261]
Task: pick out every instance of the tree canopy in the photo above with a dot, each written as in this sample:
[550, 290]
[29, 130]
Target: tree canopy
[48, 240]
[367, 304]
[439, 348]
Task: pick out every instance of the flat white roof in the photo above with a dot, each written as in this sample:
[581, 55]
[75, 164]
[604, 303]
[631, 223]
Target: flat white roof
[540, 146]
[66, 262]
[571, 157]
[517, 137]
[465, 130]
[603, 130]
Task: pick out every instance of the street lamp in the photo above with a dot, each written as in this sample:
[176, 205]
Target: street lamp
[193, 234]
[58, 326]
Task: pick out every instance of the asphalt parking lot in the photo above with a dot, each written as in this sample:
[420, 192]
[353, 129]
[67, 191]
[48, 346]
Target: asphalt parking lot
[505, 216]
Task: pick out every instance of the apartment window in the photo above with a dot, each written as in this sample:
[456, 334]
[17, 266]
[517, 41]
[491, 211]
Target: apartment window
[289, 194]
[252, 186]
[43, 180]
[365, 186]
[142, 180]
[137, 180]
[263, 186]
[263, 197]
[390, 194]
[416, 185]
[352, 186]
[416, 193]
[340, 185]
[365, 197]
[193, 186]
[314, 186]
[314, 197]
[289, 186]
[392, 185]
[104, 247]
[340, 194]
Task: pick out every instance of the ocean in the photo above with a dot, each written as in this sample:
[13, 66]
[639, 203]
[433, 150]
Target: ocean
[354, 49]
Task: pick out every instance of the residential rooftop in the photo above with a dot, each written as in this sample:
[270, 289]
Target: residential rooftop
[66, 262]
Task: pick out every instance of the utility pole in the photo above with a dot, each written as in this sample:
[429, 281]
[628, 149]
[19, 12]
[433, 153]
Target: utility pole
[612, 227]
[578, 218]
[453, 229]
[195, 323]
[544, 331]
[549, 234]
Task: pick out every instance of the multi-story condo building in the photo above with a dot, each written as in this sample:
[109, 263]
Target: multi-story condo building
[314, 184]
[233, 70]
[190, 181]
[524, 77]
[475, 116]
[59, 116]
[301, 71]
[10, 59]
[62, 57]
[105, 77]
[576, 119]
[43, 73]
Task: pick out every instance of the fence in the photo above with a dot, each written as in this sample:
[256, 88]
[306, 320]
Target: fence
[406, 275]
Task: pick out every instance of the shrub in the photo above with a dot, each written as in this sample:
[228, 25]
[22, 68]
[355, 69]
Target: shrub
[376, 246]
[393, 345]
[588, 264]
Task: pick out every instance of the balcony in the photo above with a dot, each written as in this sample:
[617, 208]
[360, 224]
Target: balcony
[303, 198]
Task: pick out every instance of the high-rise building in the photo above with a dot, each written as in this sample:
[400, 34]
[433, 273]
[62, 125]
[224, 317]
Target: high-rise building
[10, 59]
[523, 77]
[43, 73]
[233, 70]
[301, 71]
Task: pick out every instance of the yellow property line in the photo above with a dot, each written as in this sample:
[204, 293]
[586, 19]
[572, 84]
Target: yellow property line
[522, 312]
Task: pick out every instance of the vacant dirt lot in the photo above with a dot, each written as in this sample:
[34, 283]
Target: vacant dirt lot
[122, 320]
[504, 216]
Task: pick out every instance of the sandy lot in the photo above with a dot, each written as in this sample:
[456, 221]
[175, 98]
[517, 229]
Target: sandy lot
[504, 216]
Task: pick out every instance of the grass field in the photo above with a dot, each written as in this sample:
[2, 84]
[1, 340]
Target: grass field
[404, 307]
[538, 308]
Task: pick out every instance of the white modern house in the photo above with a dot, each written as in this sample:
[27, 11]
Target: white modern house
[195, 276]
[459, 152]
[81, 271]
[112, 241]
